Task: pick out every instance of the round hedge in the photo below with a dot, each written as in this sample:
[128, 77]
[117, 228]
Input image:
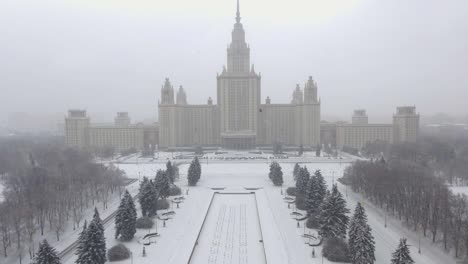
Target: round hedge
[313, 222]
[291, 191]
[174, 190]
[162, 204]
[118, 252]
[336, 250]
[144, 222]
[300, 202]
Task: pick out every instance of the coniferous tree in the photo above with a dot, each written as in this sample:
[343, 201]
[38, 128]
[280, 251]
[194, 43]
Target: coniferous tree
[272, 170]
[402, 254]
[80, 249]
[296, 171]
[95, 246]
[143, 195]
[125, 220]
[277, 175]
[361, 242]
[170, 172]
[153, 197]
[46, 254]
[319, 191]
[311, 203]
[194, 172]
[333, 218]
[162, 183]
[148, 197]
[97, 220]
[198, 168]
[302, 180]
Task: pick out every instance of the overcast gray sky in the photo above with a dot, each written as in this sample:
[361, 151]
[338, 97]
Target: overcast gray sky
[113, 55]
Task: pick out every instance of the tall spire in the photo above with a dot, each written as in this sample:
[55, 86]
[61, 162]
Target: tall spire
[238, 18]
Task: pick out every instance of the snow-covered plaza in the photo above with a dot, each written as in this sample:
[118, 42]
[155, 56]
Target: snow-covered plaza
[236, 215]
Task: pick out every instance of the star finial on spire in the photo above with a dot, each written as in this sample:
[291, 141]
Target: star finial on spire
[238, 18]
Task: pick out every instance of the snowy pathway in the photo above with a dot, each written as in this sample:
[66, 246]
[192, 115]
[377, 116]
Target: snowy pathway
[231, 233]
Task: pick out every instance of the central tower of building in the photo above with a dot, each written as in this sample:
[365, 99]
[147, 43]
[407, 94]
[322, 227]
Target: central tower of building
[238, 89]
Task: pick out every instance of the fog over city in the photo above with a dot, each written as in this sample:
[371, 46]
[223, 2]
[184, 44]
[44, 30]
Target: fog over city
[233, 131]
[107, 56]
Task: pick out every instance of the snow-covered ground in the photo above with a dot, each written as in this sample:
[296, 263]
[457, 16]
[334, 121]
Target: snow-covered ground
[459, 189]
[1, 191]
[224, 156]
[231, 232]
[268, 217]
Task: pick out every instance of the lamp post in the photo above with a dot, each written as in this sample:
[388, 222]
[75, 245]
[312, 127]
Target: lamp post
[385, 219]
[419, 247]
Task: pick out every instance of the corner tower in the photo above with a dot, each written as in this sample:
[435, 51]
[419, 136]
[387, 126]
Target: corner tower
[238, 88]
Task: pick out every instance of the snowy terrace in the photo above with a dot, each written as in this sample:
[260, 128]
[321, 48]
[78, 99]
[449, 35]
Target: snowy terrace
[223, 156]
[216, 230]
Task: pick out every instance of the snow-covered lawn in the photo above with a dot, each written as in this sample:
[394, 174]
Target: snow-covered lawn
[267, 217]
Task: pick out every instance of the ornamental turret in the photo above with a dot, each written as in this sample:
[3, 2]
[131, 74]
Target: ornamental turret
[167, 93]
[181, 96]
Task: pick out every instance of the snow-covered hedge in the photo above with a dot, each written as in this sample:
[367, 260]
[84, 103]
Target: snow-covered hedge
[144, 222]
[163, 204]
[300, 202]
[174, 190]
[118, 252]
[336, 250]
[313, 222]
[291, 191]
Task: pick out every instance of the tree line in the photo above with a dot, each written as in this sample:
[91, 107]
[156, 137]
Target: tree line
[414, 194]
[344, 239]
[446, 156]
[47, 188]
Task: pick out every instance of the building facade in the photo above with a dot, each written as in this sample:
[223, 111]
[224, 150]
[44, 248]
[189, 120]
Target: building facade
[122, 135]
[405, 128]
[238, 120]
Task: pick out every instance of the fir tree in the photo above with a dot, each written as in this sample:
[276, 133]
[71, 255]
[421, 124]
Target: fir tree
[147, 197]
[333, 218]
[170, 172]
[361, 242]
[272, 170]
[296, 171]
[97, 220]
[315, 192]
[153, 196]
[162, 183]
[95, 246]
[310, 197]
[125, 220]
[402, 254]
[198, 168]
[277, 175]
[302, 180]
[143, 196]
[319, 192]
[80, 249]
[194, 172]
[46, 254]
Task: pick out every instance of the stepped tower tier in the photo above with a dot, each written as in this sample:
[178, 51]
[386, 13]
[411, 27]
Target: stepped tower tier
[238, 88]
